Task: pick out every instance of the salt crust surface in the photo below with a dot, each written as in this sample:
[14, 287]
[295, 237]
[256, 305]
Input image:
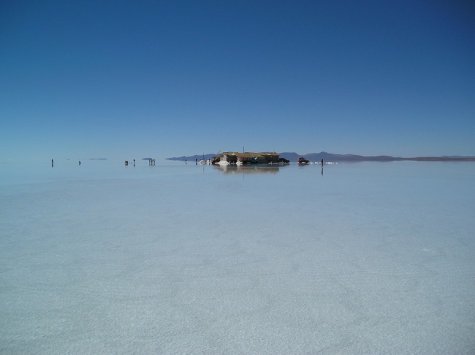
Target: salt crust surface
[368, 258]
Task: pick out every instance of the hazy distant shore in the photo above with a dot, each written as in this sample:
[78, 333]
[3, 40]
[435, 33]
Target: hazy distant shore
[292, 156]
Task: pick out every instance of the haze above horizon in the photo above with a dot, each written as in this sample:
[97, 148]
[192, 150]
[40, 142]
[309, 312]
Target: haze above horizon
[88, 79]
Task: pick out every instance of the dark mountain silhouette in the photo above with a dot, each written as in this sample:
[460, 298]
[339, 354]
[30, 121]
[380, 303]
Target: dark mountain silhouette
[193, 157]
[336, 157]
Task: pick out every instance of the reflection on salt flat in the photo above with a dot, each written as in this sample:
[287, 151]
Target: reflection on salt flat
[174, 259]
[256, 169]
[253, 169]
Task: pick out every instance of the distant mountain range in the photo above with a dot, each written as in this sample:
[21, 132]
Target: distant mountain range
[194, 157]
[292, 156]
[356, 158]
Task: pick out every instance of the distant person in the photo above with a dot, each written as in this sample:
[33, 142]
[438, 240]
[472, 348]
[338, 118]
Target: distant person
[79, 163]
[126, 163]
[322, 162]
[52, 163]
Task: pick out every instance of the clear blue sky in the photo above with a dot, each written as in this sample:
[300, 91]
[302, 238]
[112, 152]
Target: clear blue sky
[81, 79]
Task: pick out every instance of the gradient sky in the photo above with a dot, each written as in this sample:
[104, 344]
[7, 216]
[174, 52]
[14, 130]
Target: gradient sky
[82, 79]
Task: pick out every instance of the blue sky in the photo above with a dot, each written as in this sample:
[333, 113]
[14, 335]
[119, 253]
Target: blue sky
[81, 79]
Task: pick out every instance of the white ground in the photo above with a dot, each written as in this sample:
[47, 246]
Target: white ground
[368, 258]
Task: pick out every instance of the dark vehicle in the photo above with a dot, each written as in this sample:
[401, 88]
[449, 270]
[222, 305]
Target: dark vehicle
[302, 161]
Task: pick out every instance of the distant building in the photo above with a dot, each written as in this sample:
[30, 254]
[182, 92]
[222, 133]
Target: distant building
[248, 158]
